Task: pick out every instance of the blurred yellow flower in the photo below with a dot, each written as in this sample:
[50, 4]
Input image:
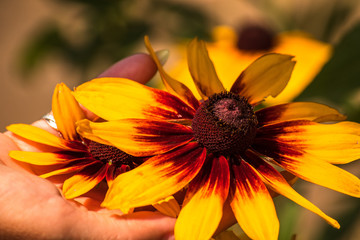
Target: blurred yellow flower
[226, 54]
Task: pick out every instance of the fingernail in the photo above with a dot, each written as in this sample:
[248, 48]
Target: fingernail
[162, 55]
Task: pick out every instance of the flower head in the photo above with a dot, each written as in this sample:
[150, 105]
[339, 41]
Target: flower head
[220, 149]
[88, 161]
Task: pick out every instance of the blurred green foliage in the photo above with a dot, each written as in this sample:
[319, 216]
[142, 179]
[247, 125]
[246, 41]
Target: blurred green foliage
[338, 83]
[113, 29]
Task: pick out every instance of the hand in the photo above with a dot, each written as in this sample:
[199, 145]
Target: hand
[33, 208]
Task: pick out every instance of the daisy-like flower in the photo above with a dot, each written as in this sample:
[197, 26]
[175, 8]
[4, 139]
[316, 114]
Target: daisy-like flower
[233, 51]
[220, 149]
[90, 161]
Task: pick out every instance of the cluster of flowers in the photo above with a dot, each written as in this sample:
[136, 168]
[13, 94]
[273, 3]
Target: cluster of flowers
[150, 144]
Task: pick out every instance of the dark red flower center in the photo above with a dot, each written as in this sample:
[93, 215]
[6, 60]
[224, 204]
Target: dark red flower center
[112, 155]
[255, 38]
[225, 124]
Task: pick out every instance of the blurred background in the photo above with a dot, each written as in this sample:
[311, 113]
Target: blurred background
[45, 42]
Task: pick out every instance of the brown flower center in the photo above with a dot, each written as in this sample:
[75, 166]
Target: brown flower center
[112, 155]
[225, 124]
[255, 38]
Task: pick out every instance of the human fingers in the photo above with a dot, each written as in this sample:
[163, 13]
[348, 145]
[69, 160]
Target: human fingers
[139, 225]
[139, 67]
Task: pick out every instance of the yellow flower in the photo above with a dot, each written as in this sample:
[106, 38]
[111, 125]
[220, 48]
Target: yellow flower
[90, 161]
[230, 60]
[219, 147]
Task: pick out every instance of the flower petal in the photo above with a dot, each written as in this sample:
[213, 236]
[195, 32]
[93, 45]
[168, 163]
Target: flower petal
[38, 135]
[85, 180]
[117, 98]
[278, 183]
[334, 143]
[284, 143]
[66, 111]
[266, 76]
[70, 168]
[172, 85]
[298, 111]
[138, 137]
[43, 158]
[159, 177]
[168, 206]
[252, 205]
[203, 206]
[202, 70]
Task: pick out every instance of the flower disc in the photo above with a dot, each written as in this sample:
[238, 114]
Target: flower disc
[225, 123]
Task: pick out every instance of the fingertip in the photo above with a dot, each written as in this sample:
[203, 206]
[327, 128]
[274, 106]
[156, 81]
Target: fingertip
[139, 67]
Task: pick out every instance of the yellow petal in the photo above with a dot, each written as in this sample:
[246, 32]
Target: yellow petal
[298, 111]
[230, 61]
[311, 55]
[138, 137]
[156, 179]
[289, 155]
[172, 85]
[252, 205]
[68, 169]
[322, 173]
[278, 183]
[42, 158]
[168, 206]
[66, 111]
[84, 181]
[203, 206]
[117, 98]
[202, 70]
[334, 143]
[38, 135]
[266, 76]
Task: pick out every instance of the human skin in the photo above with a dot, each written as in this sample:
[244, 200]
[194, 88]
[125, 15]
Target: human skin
[33, 208]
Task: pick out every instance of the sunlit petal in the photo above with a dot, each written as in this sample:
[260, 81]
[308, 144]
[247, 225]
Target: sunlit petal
[66, 111]
[138, 137]
[334, 143]
[278, 183]
[117, 98]
[287, 152]
[168, 206]
[43, 158]
[252, 205]
[296, 111]
[84, 181]
[38, 135]
[266, 76]
[203, 206]
[70, 168]
[202, 70]
[172, 85]
[156, 179]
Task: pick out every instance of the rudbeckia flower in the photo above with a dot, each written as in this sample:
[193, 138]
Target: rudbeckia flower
[89, 161]
[220, 149]
[233, 51]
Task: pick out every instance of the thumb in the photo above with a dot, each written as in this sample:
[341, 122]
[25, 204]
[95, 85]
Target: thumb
[139, 67]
